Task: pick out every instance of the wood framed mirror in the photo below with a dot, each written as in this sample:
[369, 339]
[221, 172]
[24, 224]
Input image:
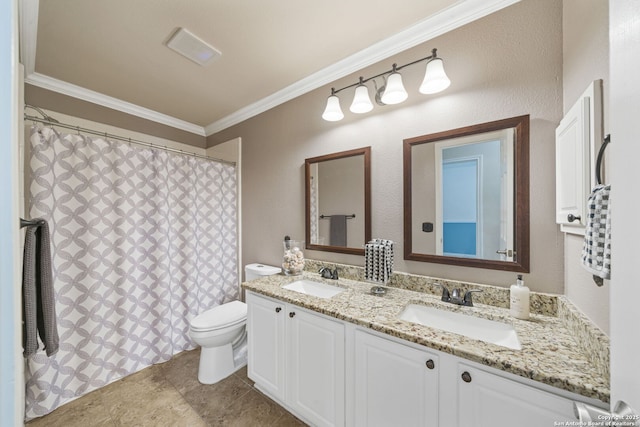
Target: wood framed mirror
[338, 201]
[466, 196]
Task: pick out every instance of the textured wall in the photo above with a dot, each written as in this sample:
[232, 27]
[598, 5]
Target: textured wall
[585, 58]
[504, 65]
[54, 101]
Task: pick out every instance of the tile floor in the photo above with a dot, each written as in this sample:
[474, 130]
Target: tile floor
[170, 395]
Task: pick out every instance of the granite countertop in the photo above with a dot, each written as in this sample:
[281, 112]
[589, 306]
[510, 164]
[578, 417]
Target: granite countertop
[549, 352]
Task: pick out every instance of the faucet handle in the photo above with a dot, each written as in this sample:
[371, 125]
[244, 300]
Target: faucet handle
[445, 292]
[467, 297]
[328, 274]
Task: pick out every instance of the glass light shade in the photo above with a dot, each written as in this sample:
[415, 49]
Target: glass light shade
[394, 92]
[333, 112]
[435, 79]
[361, 101]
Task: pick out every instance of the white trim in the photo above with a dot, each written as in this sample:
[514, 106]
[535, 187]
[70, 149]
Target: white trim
[449, 19]
[425, 30]
[11, 361]
[84, 94]
[28, 10]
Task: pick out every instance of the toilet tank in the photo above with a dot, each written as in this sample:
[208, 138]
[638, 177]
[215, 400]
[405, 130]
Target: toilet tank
[254, 271]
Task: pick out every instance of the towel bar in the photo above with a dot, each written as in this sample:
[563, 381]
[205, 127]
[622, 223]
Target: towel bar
[329, 216]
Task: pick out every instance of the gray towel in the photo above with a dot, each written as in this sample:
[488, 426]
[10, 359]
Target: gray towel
[338, 230]
[39, 313]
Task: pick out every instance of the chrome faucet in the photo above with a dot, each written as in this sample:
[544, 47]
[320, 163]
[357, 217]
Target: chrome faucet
[328, 274]
[454, 296]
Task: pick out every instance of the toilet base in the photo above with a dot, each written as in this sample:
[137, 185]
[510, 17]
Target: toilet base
[216, 363]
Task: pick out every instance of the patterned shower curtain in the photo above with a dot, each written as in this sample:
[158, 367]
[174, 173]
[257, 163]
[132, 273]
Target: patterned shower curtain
[143, 240]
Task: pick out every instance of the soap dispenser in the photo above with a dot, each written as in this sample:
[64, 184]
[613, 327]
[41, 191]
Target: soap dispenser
[519, 306]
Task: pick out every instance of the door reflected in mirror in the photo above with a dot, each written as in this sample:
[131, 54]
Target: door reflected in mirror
[466, 196]
[338, 202]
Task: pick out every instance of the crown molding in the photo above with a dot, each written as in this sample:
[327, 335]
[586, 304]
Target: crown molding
[448, 19]
[88, 95]
[28, 16]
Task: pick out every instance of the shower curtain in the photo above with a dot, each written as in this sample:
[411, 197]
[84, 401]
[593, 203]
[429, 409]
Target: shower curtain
[143, 240]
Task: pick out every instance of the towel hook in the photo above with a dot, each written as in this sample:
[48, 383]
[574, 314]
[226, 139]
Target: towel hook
[30, 222]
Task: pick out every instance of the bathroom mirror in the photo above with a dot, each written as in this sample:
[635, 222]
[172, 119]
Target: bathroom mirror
[338, 201]
[466, 196]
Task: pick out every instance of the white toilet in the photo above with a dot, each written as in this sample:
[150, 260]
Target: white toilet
[220, 330]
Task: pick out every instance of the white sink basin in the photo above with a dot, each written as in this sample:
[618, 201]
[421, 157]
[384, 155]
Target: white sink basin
[317, 289]
[470, 326]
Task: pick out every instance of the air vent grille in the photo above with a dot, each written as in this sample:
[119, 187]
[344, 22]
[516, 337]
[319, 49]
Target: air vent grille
[192, 47]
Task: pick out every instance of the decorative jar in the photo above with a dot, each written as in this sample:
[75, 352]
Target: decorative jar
[293, 258]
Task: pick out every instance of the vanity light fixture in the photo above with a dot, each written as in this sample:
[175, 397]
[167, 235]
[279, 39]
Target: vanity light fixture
[392, 92]
[361, 101]
[333, 112]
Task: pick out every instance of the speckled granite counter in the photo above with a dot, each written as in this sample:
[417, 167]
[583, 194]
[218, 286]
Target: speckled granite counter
[549, 354]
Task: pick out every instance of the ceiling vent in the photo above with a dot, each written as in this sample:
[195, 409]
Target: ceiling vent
[190, 46]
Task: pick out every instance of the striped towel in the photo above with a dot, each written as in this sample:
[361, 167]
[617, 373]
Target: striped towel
[596, 251]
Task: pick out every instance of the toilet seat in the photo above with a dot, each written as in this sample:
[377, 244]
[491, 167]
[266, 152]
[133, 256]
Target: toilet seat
[220, 317]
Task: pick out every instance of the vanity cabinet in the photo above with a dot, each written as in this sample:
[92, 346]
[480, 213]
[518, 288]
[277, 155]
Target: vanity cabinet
[394, 384]
[487, 399]
[265, 326]
[333, 373]
[298, 358]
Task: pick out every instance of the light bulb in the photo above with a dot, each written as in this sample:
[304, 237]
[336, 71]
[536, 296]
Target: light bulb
[333, 112]
[394, 93]
[361, 101]
[435, 79]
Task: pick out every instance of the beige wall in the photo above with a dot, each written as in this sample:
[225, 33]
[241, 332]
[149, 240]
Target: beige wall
[54, 101]
[586, 58]
[504, 65]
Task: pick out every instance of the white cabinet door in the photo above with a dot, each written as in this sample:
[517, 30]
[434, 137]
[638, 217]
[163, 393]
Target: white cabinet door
[572, 165]
[488, 400]
[395, 385]
[265, 328]
[298, 358]
[316, 367]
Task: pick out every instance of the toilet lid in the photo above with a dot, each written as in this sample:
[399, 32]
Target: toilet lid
[221, 316]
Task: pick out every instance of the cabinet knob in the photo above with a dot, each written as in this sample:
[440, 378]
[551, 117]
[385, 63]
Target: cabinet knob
[430, 364]
[291, 314]
[572, 217]
[466, 377]
[278, 309]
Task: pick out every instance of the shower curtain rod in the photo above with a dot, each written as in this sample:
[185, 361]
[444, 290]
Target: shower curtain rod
[53, 122]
